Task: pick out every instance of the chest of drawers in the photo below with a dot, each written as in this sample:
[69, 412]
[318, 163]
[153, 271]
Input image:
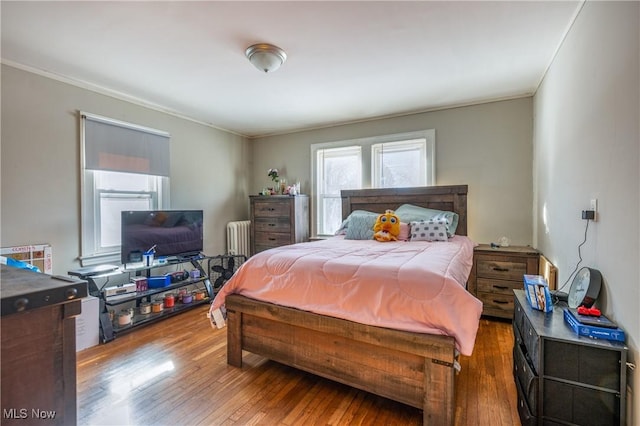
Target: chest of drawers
[496, 272]
[562, 378]
[278, 220]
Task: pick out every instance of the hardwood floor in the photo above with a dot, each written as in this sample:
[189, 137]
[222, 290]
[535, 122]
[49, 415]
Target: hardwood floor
[174, 372]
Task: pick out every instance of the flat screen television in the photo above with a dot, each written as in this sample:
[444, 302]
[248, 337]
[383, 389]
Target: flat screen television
[176, 233]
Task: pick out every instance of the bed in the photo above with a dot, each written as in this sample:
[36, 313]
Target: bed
[411, 367]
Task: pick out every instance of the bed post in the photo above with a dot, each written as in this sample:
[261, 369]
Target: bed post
[460, 207]
[438, 393]
[234, 338]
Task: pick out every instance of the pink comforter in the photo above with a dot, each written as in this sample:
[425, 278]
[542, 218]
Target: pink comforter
[413, 286]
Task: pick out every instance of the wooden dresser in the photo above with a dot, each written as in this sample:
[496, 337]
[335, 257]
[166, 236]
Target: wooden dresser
[39, 347]
[496, 272]
[278, 220]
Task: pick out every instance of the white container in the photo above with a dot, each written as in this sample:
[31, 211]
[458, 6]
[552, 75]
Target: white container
[88, 324]
[147, 258]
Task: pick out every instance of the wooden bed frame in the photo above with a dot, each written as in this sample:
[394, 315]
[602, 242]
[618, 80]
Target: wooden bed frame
[416, 369]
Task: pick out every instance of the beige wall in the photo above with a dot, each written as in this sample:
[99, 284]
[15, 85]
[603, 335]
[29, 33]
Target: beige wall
[40, 164]
[486, 146]
[586, 137]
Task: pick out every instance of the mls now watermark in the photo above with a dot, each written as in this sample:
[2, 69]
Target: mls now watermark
[24, 413]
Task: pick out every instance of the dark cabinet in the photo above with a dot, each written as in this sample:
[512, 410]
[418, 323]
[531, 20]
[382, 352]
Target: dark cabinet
[563, 378]
[38, 351]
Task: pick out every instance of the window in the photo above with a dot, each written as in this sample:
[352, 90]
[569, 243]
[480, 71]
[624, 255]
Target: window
[399, 164]
[124, 167]
[338, 168]
[391, 161]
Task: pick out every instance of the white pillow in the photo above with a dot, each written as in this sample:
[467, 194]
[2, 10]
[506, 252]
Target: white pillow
[430, 230]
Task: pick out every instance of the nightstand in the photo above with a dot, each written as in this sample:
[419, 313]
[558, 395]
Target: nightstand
[562, 378]
[496, 272]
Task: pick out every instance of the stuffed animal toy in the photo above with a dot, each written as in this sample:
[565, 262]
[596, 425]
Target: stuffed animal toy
[387, 227]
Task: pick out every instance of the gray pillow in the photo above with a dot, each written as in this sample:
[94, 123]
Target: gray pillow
[361, 227]
[354, 214]
[409, 213]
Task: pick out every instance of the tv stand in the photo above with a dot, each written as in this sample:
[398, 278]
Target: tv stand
[197, 286]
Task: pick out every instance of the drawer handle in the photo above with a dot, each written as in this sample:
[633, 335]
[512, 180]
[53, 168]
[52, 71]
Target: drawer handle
[501, 287]
[271, 209]
[500, 302]
[272, 239]
[498, 269]
[272, 224]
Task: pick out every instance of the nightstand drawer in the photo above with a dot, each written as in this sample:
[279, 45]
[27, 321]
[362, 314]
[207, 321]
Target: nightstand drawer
[580, 405]
[498, 286]
[526, 336]
[531, 345]
[525, 376]
[584, 364]
[264, 208]
[505, 270]
[498, 305]
[272, 225]
[526, 417]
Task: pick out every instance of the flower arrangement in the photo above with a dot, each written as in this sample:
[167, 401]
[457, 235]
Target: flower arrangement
[273, 174]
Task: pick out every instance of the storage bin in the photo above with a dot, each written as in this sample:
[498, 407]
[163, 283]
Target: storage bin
[158, 281]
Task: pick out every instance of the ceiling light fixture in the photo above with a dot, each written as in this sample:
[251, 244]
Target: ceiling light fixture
[266, 57]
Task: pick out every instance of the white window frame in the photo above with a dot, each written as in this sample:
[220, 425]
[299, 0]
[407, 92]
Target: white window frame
[91, 250]
[321, 197]
[368, 178]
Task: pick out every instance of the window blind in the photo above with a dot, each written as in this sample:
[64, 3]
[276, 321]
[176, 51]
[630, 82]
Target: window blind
[111, 145]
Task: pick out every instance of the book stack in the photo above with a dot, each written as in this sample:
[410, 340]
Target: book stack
[595, 327]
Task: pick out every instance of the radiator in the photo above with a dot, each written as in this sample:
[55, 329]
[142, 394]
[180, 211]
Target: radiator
[238, 237]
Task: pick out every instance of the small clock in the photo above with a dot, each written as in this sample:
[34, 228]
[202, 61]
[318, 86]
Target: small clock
[585, 288]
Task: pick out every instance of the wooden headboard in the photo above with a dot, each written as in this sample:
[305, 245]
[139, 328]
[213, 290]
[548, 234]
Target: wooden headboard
[449, 198]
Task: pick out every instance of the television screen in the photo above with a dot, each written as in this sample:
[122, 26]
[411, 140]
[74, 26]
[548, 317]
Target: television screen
[172, 233]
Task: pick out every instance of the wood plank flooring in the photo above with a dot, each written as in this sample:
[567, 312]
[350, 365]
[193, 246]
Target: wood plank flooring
[174, 372]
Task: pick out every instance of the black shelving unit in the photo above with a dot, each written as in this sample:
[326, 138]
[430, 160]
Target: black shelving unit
[109, 327]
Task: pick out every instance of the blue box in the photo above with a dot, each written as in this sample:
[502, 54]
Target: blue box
[615, 334]
[159, 281]
[536, 289]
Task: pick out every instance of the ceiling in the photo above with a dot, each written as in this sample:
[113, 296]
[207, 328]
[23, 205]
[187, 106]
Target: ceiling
[347, 61]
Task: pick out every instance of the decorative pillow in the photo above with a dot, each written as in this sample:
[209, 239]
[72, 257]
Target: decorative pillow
[429, 230]
[361, 227]
[410, 213]
[405, 232]
[354, 214]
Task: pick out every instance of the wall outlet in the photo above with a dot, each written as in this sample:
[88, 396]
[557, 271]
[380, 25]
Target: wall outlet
[594, 207]
[588, 215]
